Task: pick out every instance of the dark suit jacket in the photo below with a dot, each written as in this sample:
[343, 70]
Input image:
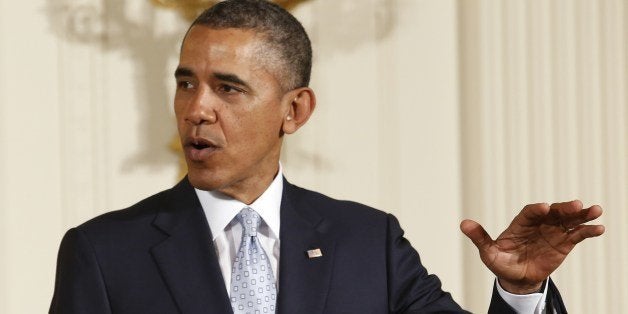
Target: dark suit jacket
[157, 257]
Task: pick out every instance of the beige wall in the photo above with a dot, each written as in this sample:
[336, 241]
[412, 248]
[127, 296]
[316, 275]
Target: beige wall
[385, 132]
[544, 109]
[424, 105]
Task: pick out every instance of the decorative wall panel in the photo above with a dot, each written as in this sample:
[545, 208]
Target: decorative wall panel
[544, 112]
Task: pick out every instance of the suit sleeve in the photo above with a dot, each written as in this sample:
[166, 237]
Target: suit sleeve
[411, 289]
[79, 285]
[498, 304]
[553, 302]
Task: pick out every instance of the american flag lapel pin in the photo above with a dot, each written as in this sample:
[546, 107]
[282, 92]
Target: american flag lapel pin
[314, 253]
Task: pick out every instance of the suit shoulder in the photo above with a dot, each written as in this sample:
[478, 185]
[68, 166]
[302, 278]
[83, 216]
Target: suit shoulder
[329, 206]
[142, 211]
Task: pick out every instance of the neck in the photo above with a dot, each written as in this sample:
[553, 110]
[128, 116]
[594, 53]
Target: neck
[249, 191]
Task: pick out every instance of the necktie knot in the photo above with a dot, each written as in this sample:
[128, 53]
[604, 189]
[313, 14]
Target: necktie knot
[250, 221]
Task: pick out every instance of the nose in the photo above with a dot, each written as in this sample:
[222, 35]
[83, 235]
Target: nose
[201, 108]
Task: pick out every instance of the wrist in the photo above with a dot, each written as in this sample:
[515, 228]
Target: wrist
[520, 288]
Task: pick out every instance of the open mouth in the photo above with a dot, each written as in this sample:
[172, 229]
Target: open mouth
[201, 145]
[198, 149]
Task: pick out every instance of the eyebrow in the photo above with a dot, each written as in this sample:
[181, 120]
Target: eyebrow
[227, 77]
[181, 71]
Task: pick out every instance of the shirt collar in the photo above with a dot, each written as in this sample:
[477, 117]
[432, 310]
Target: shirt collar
[220, 209]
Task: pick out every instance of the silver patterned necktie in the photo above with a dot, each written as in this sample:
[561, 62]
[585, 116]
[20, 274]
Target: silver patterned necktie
[253, 288]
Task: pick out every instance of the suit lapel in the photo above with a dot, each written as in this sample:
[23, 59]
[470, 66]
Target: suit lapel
[303, 281]
[187, 258]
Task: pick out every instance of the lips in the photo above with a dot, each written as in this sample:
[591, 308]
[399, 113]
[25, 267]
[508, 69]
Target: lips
[198, 148]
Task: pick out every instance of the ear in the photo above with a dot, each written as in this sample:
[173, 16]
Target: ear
[301, 104]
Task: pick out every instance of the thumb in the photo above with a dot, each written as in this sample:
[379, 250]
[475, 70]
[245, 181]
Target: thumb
[476, 233]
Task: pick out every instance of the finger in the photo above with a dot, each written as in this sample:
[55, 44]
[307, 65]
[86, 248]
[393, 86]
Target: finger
[583, 216]
[532, 214]
[581, 232]
[476, 233]
[562, 212]
[566, 208]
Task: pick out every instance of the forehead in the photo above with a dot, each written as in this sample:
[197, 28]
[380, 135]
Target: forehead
[229, 47]
[201, 38]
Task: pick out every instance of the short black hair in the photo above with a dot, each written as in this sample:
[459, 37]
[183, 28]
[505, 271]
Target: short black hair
[282, 32]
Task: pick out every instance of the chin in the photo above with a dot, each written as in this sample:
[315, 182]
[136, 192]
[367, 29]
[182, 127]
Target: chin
[204, 180]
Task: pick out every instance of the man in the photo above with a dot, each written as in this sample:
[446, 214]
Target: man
[235, 236]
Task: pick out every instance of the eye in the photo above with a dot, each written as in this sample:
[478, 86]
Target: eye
[228, 89]
[184, 85]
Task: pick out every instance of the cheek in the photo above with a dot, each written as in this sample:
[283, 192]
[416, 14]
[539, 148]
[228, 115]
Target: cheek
[178, 108]
[253, 130]
[178, 114]
[268, 121]
[181, 102]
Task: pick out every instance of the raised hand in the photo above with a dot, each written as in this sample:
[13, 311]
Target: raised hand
[535, 243]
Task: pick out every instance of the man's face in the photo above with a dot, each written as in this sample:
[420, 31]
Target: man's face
[230, 109]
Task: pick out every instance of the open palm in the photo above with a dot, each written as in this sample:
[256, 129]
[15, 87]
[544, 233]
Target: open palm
[535, 243]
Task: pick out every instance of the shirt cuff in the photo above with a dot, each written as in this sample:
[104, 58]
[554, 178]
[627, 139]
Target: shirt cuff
[524, 303]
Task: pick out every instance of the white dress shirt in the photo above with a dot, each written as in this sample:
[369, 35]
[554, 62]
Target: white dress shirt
[524, 303]
[220, 211]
